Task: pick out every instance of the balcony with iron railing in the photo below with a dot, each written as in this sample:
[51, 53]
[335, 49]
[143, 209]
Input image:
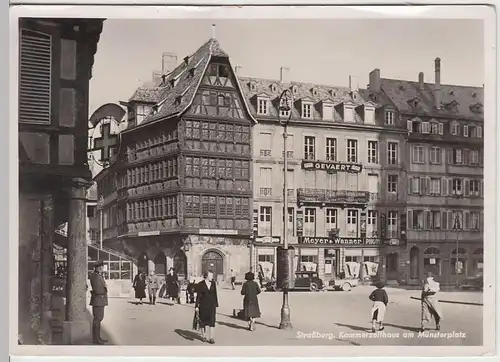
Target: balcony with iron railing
[326, 196]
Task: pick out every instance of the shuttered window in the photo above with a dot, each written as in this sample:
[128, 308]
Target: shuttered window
[35, 61]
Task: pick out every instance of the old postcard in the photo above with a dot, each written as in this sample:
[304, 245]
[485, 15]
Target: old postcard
[232, 178]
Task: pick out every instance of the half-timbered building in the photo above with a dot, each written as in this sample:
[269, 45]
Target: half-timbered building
[179, 193]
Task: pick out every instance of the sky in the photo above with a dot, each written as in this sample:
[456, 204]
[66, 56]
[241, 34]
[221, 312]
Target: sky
[315, 51]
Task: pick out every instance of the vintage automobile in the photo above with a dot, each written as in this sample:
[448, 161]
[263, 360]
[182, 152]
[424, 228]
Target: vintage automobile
[342, 284]
[475, 282]
[304, 280]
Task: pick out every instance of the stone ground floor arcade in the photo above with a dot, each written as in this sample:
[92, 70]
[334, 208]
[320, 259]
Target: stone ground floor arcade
[190, 255]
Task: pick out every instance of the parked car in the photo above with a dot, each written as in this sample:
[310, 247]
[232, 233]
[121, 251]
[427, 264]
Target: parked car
[343, 284]
[472, 282]
[304, 280]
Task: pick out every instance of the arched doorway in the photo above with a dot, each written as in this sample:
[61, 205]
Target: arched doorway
[432, 261]
[180, 264]
[213, 261]
[414, 263]
[142, 263]
[160, 263]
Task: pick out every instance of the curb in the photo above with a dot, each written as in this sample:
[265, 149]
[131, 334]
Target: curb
[453, 302]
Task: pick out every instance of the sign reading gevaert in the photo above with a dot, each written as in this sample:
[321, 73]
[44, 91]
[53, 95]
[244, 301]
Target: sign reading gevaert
[332, 166]
[313, 240]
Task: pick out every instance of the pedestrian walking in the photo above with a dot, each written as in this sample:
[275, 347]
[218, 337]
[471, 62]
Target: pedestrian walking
[206, 304]
[430, 303]
[98, 300]
[173, 286]
[233, 279]
[250, 290]
[380, 300]
[153, 285]
[190, 290]
[139, 286]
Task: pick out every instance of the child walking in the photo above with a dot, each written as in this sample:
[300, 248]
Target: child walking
[380, 301]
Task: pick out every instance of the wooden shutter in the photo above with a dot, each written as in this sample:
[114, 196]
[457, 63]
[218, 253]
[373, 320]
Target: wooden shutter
[466, 187]
[441, 128]
[444, 219]
[451, 222]
[35, 60]
[466, 221]
[409, 219]
[449, 152]
[444, 186]
[427, 185]
[466, 157]
[481, 188]
[409, 125]
[421, 185]
[450, 186]
[410, 189]
[427, 220]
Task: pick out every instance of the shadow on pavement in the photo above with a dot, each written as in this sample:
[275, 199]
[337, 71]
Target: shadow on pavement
[189, 335]
[231, 325]
[354, 328]
[165, 303]
[256, 322]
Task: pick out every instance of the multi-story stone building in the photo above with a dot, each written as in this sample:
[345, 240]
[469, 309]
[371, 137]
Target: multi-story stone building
[444, 164]
[180, 191]
[344, 177]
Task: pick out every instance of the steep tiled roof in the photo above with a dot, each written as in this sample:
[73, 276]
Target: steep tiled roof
[401, 92]
[315, 93]
[180, 86]
[143, 94]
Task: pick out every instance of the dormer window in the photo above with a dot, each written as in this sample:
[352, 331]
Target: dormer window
[436, 128]
[295, 89]
[455, 129]
[327, 111]
[414, 102]
[314, 92]
[349, 113]
[274, 87]
[369, 113]
[466, 131]
[333, 93]
[415, 125]
[476, 108]
[452, 106]
[307, 111]
[389, 117]
[262, 106]
[252, 86]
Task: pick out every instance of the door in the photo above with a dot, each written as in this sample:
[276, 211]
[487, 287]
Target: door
[213, 261]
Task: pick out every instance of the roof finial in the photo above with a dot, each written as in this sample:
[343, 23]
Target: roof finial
[213, 31]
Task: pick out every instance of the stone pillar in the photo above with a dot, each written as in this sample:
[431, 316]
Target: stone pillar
[76, 327]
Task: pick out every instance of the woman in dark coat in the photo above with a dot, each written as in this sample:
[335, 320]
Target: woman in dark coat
[172, 282]
[140, 286]
[206, 304]
[250, 290]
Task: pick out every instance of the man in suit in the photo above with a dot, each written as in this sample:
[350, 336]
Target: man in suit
[98, 300]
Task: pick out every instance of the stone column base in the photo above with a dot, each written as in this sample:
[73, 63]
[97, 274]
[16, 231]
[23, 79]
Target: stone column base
[76, 332]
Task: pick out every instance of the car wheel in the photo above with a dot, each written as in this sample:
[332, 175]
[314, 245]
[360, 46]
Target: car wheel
[313, 287]
[346, 287]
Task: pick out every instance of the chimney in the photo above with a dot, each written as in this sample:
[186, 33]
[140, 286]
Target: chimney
[421, 80]
[437, 83]
[283, 70]
[374, 85]
[213, 31]
[168, 62]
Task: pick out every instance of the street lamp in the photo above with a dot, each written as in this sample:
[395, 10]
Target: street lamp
[284, 115]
